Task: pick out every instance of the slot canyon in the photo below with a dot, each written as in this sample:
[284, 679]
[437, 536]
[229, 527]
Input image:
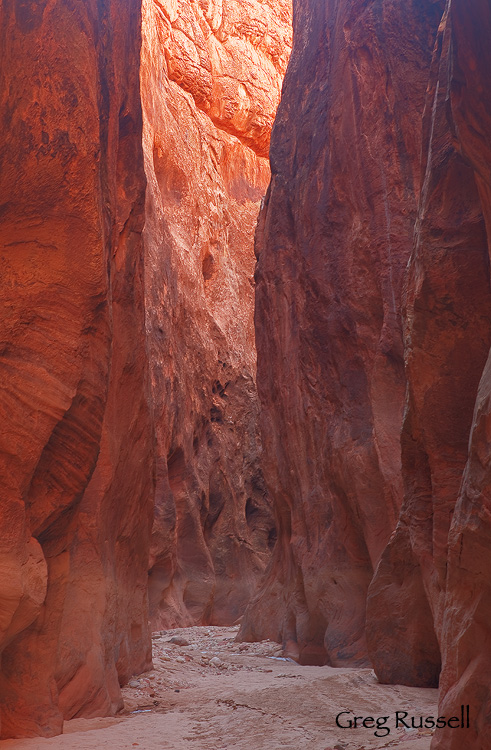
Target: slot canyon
[245, 386]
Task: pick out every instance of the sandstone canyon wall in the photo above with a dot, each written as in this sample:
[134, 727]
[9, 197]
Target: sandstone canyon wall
[439, 555]
[211, 79]
[466, 622]
[127, 357]
[333, 240]
[76, 472]
[447, 338]
[132, 166]
[374, 378]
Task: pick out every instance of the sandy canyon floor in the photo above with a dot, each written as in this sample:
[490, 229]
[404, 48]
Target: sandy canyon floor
[215, 694]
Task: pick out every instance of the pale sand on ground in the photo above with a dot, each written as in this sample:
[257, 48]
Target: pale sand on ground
[249, 698]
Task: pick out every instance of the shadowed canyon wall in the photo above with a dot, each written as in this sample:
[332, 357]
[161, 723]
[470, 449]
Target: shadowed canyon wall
[467, 614]
[333, 240]
[76, 471]
[447, 339]
[437, 560]
[380, 158]
[211, 79]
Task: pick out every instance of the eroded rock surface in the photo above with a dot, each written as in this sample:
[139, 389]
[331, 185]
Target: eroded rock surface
[77, 451]
[211, 77]
[467, 616]
[333, 240]
[447, 338]
[82, 418]
[444, 526]
[75, 443]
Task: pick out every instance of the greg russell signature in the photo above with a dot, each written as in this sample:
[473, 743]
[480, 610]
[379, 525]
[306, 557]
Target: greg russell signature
[382, 724]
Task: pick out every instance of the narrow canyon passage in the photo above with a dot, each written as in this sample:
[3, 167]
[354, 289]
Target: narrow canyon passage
[245, 388]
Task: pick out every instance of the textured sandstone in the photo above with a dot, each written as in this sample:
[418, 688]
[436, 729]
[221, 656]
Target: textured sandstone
[211, 76]
[467, 616]
[230, 55]
[424, 595]
[75, 450]
[333, 239]
[76, 461]
[348, 192]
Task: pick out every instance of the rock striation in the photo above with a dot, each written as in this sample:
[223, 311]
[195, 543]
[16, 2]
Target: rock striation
[211, 77]
[333, 239]
[76, 466]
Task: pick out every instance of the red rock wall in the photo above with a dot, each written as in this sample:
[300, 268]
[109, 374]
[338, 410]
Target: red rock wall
[75, 446]
[333, 240]
[437, 561]
[458, 591]
[211, 78]
[84, 414]
[447, 338]
[466, 621]
[78, 442]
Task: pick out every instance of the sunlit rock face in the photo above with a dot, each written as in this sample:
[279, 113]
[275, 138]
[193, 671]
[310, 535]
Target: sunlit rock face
[76, 472]
[333, 240]
[211, 77]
